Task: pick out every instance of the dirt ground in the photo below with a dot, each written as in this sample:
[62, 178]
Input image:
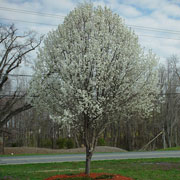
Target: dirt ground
[33, 150]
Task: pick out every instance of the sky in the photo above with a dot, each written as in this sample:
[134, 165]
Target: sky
[156, 22]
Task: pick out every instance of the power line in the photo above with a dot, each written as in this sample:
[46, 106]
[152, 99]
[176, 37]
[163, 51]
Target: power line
[31, 12]
[23, 75]
[31, 22]
[60, 16]
[28, 75]
[20, 96]
[13, 96]
[158, 37]
[154, 29]
[169, 93]
[46, 24]
[19, 91]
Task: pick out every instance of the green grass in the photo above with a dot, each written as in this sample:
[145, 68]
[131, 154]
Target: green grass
[35, 154]
[170, 149]
[139, 169]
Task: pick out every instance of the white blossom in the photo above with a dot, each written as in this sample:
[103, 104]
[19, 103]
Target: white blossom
[93, 66]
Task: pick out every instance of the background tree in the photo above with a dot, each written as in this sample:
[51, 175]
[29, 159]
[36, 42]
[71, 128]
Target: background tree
[169, 80]
[14, 49]
[91, 72]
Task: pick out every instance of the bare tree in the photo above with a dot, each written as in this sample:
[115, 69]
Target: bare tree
[170, 108]
[14, 49]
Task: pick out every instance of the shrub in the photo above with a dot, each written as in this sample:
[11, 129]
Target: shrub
[47, 143]
[14, 144]
[69, 143]
[61, 143]
[18, 143]
[101, 142]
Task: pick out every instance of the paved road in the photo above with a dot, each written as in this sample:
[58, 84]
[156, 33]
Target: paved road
[81, 157]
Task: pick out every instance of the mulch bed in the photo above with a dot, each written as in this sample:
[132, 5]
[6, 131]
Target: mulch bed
[93, 176]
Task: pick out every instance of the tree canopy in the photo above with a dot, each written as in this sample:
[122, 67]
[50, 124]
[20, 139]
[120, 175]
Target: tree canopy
[92, 70]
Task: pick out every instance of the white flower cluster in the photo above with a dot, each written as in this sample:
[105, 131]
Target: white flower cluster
[93, 65]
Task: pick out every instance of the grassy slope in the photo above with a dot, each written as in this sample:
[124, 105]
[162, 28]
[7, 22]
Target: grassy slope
[144, 169]
[40, 151]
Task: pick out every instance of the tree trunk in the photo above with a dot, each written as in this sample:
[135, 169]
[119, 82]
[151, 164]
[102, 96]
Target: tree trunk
[1, 144]
[89, 154]
[164, 139]
[76, 140]
[176, 136]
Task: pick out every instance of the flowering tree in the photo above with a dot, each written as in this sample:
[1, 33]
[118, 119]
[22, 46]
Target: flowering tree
[91, 69]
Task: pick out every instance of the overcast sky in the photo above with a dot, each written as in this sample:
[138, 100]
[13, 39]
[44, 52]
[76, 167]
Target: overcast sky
[157, 22]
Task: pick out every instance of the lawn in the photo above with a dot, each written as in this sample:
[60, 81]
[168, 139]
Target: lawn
[139, 169]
